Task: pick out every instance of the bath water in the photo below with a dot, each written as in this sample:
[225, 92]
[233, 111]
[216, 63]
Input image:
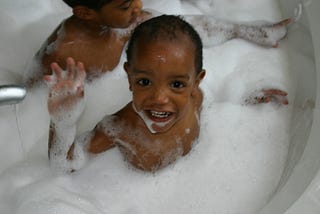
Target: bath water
[234, 167]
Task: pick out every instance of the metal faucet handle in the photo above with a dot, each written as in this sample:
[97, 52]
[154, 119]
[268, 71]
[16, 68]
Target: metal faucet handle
[12, 94]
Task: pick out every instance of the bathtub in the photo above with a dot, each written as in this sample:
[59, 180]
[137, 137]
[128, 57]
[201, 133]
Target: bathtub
[299, 189]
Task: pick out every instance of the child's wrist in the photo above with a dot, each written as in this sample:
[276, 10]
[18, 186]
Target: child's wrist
[62, 140]
[68, 117]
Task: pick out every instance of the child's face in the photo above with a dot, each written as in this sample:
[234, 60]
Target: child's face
[120, 13]
[163, 80]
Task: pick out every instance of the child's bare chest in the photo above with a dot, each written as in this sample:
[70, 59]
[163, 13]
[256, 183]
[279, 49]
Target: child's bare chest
[154, 151]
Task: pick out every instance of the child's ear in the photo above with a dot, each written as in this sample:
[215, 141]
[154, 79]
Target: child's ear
[83, 12]
[126, 68]
[200, 76]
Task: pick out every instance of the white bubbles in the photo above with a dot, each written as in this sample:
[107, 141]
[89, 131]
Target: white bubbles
[145, 119]
[58, 153]
[233, 168]
[212, 30]
[168, 7]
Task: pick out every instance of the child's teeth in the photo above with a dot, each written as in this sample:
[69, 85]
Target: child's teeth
[159, 114]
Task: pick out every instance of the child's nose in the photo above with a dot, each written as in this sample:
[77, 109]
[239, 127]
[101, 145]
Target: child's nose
[138, 6]
[159, 96]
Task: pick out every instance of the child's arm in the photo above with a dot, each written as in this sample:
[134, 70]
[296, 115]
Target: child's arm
[65, 105]
[214, 31]
[268, 95]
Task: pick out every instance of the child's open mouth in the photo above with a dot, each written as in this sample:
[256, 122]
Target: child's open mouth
[156, 121]
[159, 116]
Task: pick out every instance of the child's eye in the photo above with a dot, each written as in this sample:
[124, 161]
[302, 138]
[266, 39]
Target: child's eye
[144, 82]
[177, 84]
[126, 6]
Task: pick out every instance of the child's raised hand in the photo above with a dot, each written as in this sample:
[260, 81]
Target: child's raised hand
[266, 35]
[269, 95]
[66, 89]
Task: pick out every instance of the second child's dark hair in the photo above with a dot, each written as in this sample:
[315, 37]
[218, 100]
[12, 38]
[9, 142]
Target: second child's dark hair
[168, 27]
[92, 4]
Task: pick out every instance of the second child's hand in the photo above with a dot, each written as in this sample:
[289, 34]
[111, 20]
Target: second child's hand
[273, 95]
[267, 96]
[265, 35]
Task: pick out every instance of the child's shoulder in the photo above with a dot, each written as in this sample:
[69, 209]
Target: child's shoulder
[120, 118]
[126, 115]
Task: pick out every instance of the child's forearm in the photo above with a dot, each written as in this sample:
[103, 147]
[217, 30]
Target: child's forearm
[66, 103]
[60, 142]
[212, 30]
[265, 35]
[63, 141]
[66, 151]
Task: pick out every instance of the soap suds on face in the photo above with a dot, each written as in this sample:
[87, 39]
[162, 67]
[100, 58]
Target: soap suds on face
[149, 123]
[236, 163]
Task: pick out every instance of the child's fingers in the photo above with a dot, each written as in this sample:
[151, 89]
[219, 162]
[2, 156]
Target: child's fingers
[56, 70]
[263, 99]
[81, 73]
[49, 80]
[285, 102]
[283, 23]
[80, 91]
[269, 98]
[71, 67]
[274, 92]
[80, 66]
[281, 99]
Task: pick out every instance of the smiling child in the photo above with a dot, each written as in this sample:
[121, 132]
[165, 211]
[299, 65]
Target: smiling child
[159, 125]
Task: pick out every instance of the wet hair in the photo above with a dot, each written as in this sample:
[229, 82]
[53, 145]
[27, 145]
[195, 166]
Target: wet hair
[167, 27]
[92, 4]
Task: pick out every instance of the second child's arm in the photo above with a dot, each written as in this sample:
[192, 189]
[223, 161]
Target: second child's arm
[214, 31]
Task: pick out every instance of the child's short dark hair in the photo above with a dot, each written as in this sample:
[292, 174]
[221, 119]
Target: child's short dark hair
[92, 4]
[168, 27]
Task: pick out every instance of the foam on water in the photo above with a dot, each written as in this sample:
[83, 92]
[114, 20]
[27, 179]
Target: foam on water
[233, 168]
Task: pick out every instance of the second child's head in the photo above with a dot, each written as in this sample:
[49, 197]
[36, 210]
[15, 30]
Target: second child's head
[111, 13]
[164, 67]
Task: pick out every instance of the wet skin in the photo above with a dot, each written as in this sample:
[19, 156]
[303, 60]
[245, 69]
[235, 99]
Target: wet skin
[89, 37]
[92, 37]
[165, 88]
